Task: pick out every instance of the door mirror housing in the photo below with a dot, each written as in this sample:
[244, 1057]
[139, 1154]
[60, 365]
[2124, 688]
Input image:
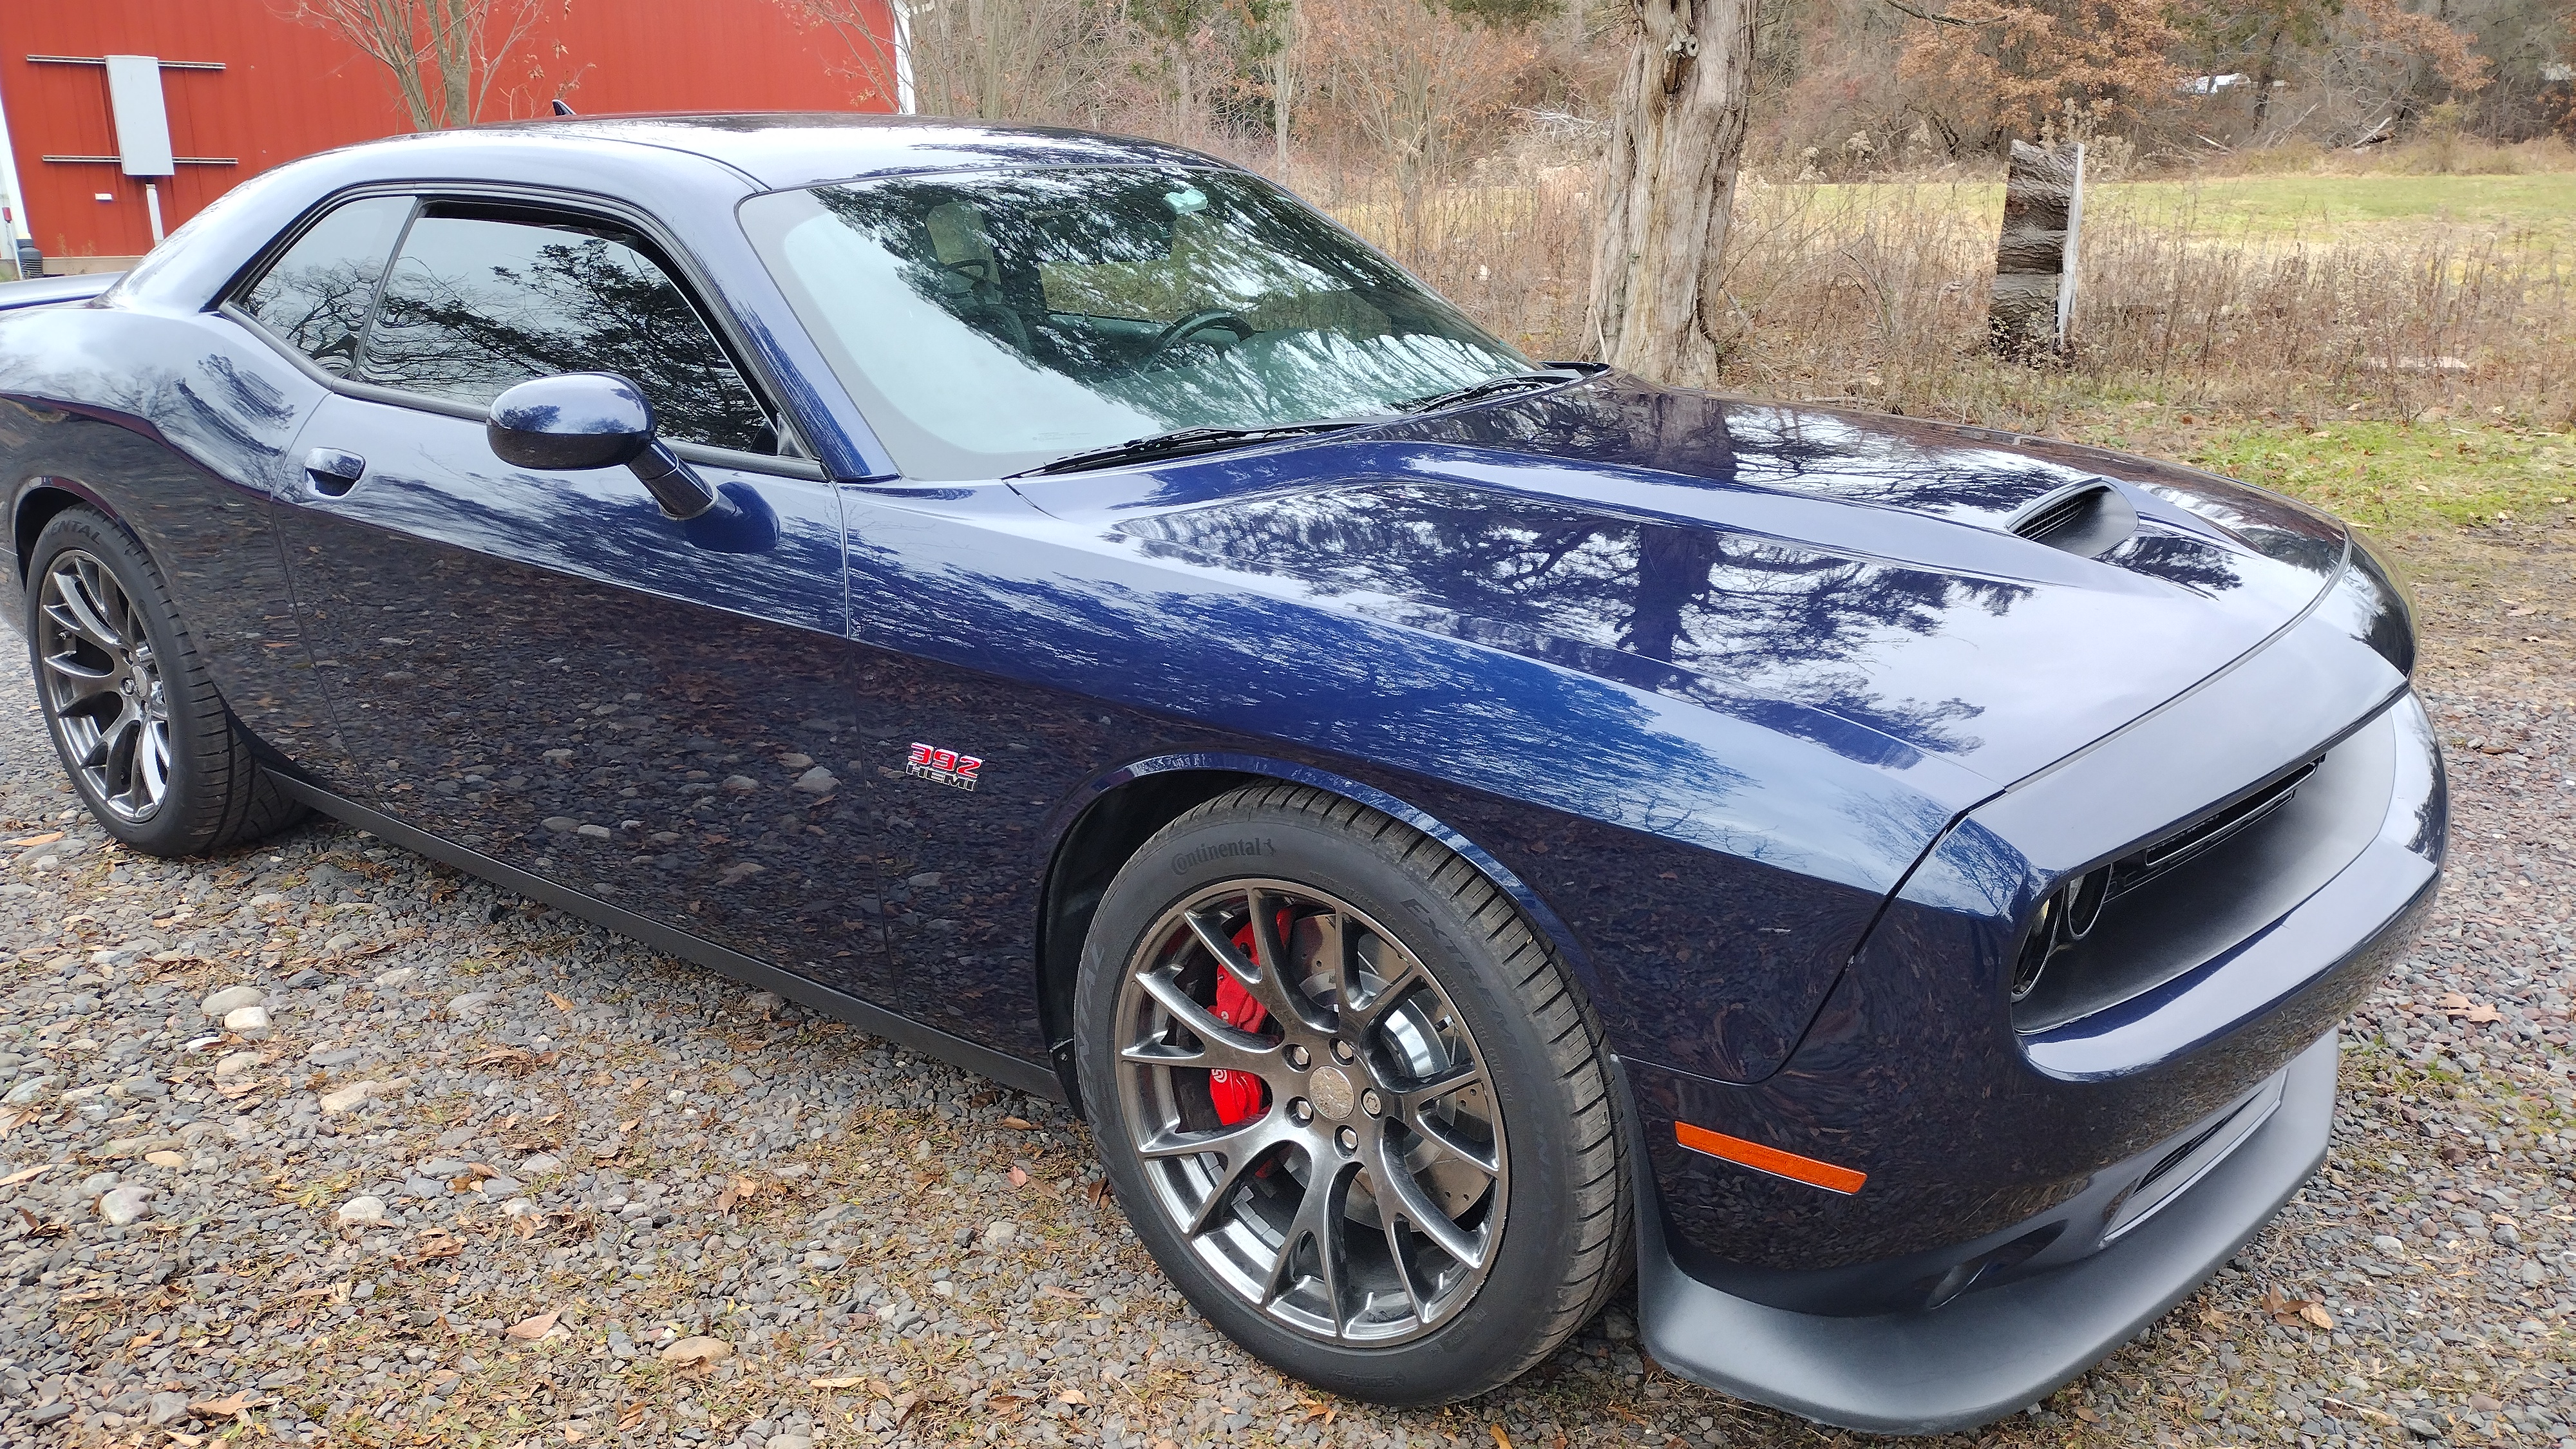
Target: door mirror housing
[580, 420]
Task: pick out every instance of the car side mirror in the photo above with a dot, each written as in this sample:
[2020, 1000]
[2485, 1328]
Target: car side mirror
[593, 420]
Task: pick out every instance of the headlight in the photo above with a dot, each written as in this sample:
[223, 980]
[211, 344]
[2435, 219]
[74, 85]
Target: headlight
[2066, 917]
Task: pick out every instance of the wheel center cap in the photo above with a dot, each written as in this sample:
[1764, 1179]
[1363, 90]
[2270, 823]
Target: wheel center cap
[1333, 1094]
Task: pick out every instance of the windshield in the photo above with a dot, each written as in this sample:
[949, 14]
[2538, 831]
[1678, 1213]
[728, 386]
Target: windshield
[994, 321]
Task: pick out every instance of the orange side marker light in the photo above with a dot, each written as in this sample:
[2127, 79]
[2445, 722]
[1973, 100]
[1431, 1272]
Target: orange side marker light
[1770, 1159]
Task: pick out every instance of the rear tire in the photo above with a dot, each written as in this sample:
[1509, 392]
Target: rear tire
[1427, 1190]
[146, 740]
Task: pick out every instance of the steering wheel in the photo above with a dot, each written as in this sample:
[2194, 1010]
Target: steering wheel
[1202, 320]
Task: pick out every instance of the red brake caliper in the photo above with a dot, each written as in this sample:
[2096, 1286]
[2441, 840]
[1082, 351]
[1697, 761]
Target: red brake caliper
[1241, 1095]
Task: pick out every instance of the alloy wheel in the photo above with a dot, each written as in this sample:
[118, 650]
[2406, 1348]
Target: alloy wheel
[1312, 1113]
[103, 685]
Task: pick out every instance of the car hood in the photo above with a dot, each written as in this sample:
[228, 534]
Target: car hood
[1850, 578]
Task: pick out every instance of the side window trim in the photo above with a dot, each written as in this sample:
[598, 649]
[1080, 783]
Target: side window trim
[384, 279]
[796, 458]
[649, 243]
[233, 300]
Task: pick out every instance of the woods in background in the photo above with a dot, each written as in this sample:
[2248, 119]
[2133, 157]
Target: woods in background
[1838, 88]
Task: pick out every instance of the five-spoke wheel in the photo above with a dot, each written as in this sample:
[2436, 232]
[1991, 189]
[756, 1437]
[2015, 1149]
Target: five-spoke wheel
[136, 718]
[1351, 1101]
[102, 685]
[1313, 1113]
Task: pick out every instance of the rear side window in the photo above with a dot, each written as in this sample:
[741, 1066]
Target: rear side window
[317, 295]
[480, 301]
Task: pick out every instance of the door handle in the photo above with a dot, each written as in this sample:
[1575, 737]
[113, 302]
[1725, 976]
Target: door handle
[331, 472]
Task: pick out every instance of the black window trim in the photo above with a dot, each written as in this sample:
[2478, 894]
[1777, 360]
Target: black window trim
[676, 261]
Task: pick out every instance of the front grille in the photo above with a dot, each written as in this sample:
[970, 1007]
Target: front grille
[2201, 887]
[2140, 866]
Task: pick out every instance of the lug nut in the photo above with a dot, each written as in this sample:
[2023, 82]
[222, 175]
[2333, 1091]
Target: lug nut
[1301, 1111]
[1372, 1103]
[1342, 1051]
[1349, 1137]
[1298, 1057]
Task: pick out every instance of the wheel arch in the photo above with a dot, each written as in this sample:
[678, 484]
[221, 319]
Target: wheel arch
[35, 504]
[1103, 824]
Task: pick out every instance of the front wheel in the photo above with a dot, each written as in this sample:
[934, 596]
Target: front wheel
[1352, 1103]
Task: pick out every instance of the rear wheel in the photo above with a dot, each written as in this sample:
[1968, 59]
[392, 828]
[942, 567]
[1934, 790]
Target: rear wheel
[1353, 1104]
[146, 740]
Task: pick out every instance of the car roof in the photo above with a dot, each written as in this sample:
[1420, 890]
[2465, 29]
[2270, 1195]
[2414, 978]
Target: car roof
[779, 149]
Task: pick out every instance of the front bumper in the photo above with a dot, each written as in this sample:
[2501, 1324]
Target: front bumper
[1995, 1351]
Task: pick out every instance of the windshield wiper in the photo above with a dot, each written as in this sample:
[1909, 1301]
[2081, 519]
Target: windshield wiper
[1184, 441]
[1488, 387]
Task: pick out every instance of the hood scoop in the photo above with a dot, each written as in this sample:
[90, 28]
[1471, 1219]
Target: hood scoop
[2088, 520]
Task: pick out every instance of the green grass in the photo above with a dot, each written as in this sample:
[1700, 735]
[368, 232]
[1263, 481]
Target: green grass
[2388, 475]
[2336, 208]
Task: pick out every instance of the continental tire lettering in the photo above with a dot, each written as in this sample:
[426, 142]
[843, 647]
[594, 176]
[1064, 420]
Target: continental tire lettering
[1222, 850]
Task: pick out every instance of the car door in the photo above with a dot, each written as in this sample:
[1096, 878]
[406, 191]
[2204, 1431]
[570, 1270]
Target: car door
[543, 667]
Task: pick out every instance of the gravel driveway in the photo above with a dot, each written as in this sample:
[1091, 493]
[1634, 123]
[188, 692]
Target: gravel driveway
[475, 1173]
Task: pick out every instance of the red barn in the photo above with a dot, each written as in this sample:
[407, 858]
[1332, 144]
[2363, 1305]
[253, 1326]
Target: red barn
[244, 85]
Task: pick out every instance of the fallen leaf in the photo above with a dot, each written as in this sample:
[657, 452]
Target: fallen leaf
[902, 1404]
[572, 1433]
[24, 1173]
[230, 1406]
[1019, 1176]
[1071, 1396]
[1500, 1438]
[35, 840]
[845, 1381]
[2316, 1314]
[560, 1003]
[630, 1418]
[532, 1329]
[697, 1351]
[1019, 1124]
[2087, 1415]
[1100, 1193]
[1316, 1409]
[480, 1171]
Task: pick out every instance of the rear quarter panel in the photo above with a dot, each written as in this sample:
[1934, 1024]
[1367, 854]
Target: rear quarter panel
[178, 427]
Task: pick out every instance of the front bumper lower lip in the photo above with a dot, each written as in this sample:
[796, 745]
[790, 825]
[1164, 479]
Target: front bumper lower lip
[1996, 1351]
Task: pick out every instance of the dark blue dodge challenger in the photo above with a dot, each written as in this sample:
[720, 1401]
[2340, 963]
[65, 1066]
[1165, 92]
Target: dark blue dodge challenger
[1456, 826]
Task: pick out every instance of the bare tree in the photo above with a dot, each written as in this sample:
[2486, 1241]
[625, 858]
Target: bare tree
[1668, 187]
[442, 54]
[1017, 60]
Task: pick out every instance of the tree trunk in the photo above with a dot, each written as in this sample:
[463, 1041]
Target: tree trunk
[1668, 188]
[1283, 87]
[2268, 72]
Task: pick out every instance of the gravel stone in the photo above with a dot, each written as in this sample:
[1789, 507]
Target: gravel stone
[122, 1205]
[231, 999]
[364, 1208]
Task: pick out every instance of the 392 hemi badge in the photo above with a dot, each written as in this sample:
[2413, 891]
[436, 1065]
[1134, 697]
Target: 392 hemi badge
[945, 766]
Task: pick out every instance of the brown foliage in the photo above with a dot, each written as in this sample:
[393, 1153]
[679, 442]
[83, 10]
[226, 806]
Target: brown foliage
[2016, 66]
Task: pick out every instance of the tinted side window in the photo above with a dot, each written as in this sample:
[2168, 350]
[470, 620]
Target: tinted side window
[316, 296]
[477, 303]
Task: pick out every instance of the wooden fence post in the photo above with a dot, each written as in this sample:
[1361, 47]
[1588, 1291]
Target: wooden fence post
[2034, 305]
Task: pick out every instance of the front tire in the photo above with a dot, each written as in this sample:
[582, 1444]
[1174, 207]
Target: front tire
[142, 733]
[1353, 1104]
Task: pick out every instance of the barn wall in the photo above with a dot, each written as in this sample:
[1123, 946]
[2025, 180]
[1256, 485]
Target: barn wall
[288, 89]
